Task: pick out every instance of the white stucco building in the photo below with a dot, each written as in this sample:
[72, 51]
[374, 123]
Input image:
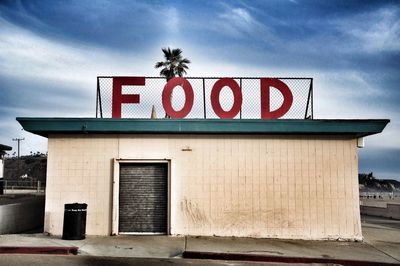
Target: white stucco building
[3, 149]
[295, 179]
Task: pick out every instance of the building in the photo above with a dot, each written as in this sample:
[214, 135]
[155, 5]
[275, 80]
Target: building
[3, 149]
[294, 179]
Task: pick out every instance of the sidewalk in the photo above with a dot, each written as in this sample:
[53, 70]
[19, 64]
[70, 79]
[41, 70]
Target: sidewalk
[382, 244]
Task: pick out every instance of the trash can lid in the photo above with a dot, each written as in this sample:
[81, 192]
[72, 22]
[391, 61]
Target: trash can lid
[71, 206]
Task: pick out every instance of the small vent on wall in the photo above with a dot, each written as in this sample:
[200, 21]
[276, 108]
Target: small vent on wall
[360, 143]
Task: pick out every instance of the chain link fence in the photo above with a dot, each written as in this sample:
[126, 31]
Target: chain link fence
[151, 95]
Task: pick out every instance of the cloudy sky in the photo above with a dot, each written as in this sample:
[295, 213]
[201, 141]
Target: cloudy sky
[52, 51]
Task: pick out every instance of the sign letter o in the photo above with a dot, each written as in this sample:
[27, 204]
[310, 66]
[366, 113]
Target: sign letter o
[167, 93]
[237, 98]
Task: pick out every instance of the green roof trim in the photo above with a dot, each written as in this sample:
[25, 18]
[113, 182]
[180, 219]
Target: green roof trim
[46, 126]
[5, 147]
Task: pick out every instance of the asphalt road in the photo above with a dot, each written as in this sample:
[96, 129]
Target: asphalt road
[380, 222]
[382, 234]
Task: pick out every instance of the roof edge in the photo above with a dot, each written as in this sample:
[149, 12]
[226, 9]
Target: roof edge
[5, 147]
[356, 127]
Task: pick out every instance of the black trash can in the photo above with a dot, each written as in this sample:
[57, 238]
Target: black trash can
[74, 227]
[1, 186]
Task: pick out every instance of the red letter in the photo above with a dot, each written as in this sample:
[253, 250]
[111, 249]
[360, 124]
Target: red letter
[166, 97]
[265, 85]
[237, 98]
[118, 98]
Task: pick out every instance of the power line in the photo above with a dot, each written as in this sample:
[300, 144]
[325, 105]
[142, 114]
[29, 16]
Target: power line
[18, 140]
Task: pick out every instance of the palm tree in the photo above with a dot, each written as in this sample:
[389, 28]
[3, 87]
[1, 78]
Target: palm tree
[174, 64]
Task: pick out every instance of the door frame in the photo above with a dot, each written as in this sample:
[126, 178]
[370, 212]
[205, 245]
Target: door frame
[115, 193]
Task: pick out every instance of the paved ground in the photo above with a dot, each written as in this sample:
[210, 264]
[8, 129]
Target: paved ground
[16, 198]
[383, 235]
[382, 244]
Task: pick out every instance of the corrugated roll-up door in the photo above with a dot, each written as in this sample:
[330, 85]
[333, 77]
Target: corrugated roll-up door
[143, 198]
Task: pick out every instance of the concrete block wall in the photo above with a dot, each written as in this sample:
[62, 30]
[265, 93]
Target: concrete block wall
[389, 211]
[21, 216]
[393, 211]
[298, 187]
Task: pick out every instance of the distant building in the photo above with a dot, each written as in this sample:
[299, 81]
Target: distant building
[3, 149]
[294, 179]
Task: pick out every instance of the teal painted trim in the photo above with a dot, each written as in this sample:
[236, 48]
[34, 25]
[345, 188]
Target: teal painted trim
[46, 126]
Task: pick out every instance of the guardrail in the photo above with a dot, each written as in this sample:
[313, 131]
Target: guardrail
[23, 186]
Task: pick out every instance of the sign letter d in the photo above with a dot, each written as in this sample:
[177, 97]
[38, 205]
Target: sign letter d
[265, 87]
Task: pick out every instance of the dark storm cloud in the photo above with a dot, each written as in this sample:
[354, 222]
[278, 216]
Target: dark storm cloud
[276, 30]
[35, 98]
[382, 161]
[112, 24]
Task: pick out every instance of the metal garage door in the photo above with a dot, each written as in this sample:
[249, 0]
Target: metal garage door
[143, 198]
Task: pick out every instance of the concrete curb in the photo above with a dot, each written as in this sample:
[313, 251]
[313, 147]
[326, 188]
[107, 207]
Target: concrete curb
[277, 259]
[39, 250]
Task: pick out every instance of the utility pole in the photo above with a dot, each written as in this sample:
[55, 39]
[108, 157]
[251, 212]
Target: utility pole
[18, 140]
